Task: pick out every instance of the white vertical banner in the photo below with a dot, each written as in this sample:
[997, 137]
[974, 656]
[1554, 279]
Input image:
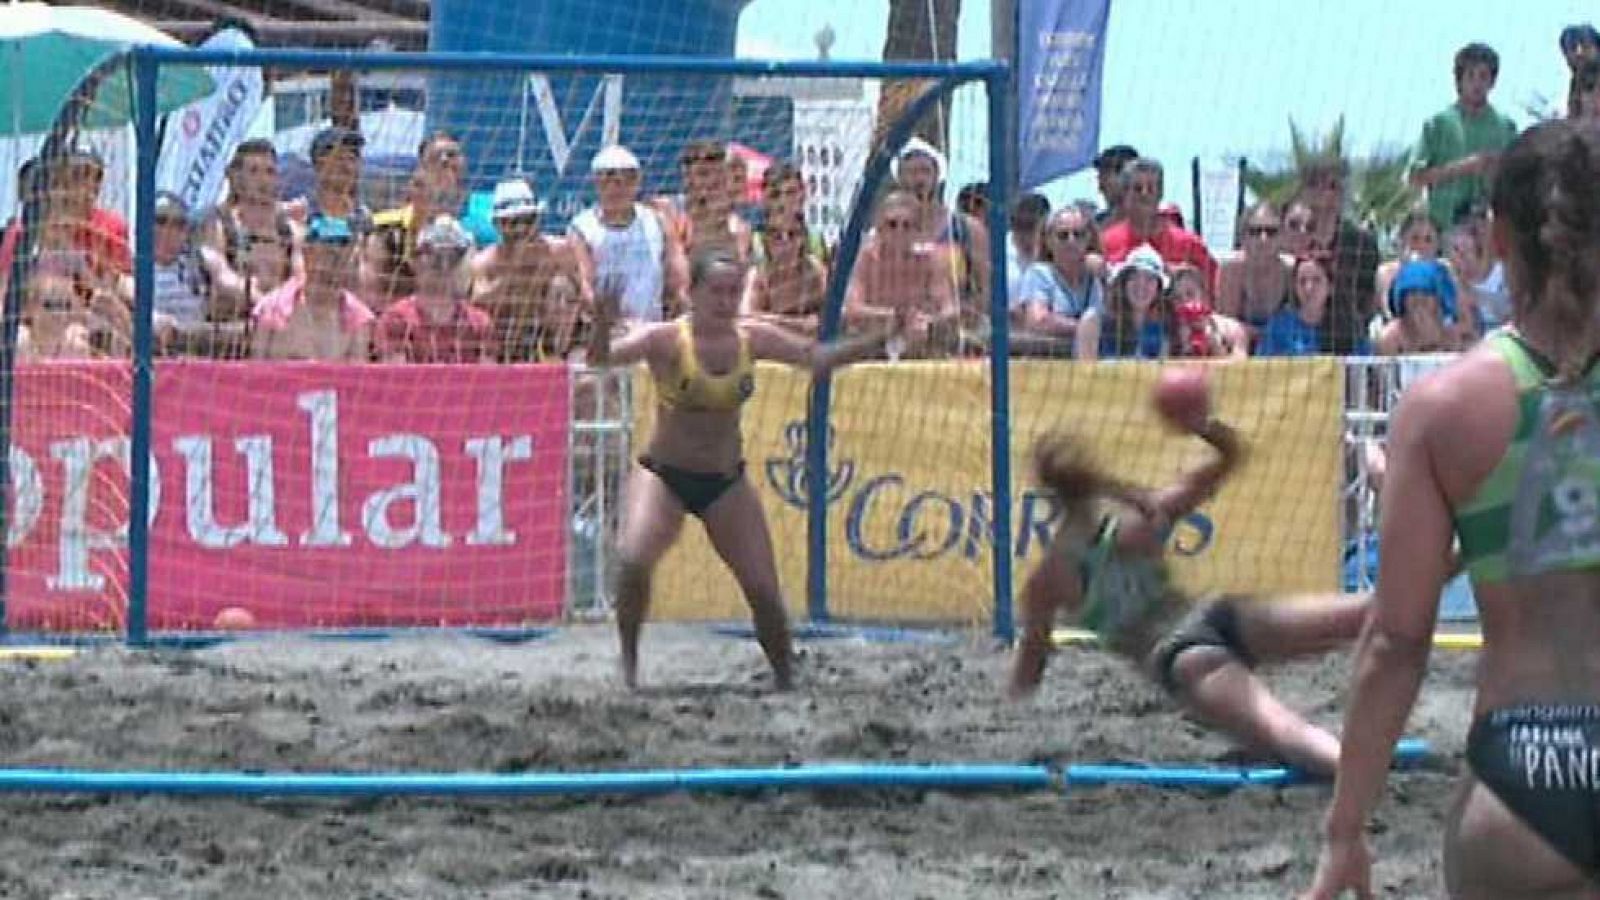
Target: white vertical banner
[1219, 190]
[200, 138]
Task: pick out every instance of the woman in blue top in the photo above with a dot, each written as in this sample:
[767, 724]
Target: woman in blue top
[1296, 329]
[1057, 291]
[1136, 319]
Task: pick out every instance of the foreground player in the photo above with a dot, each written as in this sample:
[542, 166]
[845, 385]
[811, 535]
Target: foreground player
[1500, 449]
[1105, 567]
[703, 365]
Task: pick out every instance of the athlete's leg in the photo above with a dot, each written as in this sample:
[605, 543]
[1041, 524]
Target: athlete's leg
[1226, 695]
[1051, 585]
[651, 520]
[1278, 629]
[737, 526]
[1210, 672]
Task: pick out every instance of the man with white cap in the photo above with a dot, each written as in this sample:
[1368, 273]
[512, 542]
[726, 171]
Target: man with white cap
[920, 169]
[529, 283]
[620, 240]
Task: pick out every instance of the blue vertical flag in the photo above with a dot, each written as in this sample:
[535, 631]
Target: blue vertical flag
[1061, 48]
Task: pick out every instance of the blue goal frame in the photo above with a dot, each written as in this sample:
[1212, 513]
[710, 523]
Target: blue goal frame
[146, 63]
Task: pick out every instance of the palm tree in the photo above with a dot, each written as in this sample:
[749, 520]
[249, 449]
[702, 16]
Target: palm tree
[918, 30]
[1378, 193]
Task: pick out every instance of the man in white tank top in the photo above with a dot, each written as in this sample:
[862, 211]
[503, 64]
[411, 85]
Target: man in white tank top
[623, 241]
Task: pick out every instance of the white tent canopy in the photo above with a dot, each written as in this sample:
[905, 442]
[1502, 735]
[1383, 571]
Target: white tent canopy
[391, 132]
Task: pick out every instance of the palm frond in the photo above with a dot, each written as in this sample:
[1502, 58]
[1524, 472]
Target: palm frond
[1378, 191]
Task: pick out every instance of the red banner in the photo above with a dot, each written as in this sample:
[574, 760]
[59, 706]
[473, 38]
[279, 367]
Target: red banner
[306, 495]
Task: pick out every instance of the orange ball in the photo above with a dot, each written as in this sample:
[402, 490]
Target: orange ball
[234, 618]
[1183, 397]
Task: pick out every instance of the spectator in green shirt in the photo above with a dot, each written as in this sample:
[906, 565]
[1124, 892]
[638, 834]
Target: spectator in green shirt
[1460, 145]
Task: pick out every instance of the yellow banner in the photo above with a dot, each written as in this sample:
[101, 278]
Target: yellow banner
[909, 473]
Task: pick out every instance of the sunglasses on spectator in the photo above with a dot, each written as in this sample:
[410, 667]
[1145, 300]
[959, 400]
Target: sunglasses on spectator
[531, 220]
[57, 303]
[1070, 234]
[787, 234]
[703, 158]
[1260, 231]
[440, 256]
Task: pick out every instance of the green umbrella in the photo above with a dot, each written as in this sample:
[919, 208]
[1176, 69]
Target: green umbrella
[46, 51]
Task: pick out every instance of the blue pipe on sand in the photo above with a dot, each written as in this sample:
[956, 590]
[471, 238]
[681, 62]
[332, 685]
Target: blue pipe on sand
[659, 781]
[1408, 752]
[943, 777]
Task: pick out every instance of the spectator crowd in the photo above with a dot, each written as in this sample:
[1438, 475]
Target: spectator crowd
[322, 277]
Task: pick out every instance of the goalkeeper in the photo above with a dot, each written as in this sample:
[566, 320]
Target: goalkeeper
[703, 366]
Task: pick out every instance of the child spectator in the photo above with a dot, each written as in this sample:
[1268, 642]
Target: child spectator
[1422, 301]
[1200, 330]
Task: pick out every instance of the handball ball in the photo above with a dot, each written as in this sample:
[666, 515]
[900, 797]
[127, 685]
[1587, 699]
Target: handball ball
[1183, 397]
[234, 618]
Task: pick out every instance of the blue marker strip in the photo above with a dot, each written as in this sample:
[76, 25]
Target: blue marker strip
[1409, 752]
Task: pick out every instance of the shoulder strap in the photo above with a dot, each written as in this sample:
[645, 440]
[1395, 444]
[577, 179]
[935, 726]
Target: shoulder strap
[1529, 367]
[688, 365]
[232, 236]
[745, 360]
[650, 220]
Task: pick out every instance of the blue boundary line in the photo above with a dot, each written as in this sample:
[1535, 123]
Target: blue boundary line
[867, 776]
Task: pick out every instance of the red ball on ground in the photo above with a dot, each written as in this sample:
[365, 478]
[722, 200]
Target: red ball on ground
[234, 618]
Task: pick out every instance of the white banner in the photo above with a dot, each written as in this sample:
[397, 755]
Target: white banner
[201, 137]
[1219, 190]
